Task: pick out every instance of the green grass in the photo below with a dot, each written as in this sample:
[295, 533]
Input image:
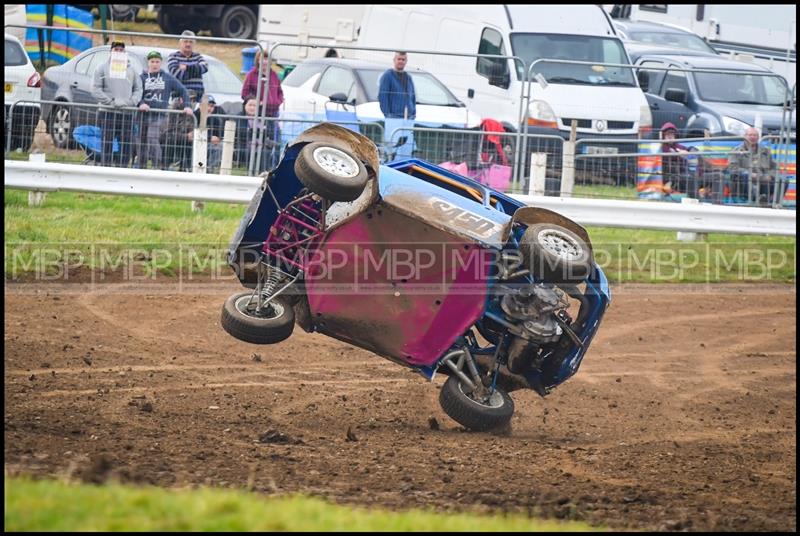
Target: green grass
[599, 191]
[166, 236]
[47, 505]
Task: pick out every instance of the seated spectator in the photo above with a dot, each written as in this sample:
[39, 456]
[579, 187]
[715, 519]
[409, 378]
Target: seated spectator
[216, 130]
[244, 145]
[752, 170]
[675, 169]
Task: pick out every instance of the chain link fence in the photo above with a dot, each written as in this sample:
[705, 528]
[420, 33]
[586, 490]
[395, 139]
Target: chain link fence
[415, 116]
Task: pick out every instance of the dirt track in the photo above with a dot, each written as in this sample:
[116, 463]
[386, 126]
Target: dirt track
[682, 415]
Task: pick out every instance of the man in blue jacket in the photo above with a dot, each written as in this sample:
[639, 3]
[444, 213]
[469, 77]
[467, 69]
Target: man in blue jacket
[396, 91]
[158, 87]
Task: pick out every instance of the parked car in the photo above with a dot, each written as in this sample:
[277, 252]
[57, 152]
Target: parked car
[22, 84]
[661, 35]
[72, 83]
[725, 104]
[309, 87]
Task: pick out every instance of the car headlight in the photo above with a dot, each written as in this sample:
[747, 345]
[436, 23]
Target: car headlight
[540, 114]
[734, 126]
[645, 117]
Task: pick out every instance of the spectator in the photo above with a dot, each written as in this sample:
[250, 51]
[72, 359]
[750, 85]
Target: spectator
[396, 91]
[116, 84]
[178, 137]
[158, 86]
[271, 95]
[188, 66]
[752, 169]
[216, 130]
[675, 169]
[244, 144]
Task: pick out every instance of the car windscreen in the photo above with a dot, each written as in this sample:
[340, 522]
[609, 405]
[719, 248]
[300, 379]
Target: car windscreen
[15, 55]
[740, 88]
[677, 40]
[302, 73]
[428, 89]
[531, 47]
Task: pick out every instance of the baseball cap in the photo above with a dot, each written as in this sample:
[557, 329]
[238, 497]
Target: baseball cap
[153, 54]
[117, 44]
[211, 99]
[187, 34]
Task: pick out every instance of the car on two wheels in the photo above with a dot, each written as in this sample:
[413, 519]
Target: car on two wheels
[419, 265]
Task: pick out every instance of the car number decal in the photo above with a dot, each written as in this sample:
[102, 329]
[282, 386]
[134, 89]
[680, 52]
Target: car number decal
[461, 217]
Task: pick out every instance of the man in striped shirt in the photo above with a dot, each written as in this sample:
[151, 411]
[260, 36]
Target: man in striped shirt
[188, 66]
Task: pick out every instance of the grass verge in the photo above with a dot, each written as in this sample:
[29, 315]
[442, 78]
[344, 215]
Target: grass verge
[102, 231]
[46, 505]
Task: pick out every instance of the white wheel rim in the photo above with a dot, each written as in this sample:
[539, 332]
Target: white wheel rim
[275, 309]
[495, 399]
[560, 244]
[336, 162]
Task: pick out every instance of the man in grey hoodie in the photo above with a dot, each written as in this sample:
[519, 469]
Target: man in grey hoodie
[116, 84]
[159, 86]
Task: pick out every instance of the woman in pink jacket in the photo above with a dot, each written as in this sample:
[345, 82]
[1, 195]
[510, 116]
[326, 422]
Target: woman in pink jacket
[271, 96]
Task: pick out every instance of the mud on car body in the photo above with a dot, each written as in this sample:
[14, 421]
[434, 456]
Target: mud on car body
[419, 265]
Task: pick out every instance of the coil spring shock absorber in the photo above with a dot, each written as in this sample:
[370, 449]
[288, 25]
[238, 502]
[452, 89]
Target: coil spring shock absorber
[272, 279]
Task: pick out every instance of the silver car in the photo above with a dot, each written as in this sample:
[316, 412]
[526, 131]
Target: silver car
[72, 83]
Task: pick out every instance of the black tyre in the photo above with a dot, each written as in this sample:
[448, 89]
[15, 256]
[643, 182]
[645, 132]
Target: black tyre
[60, 126]
[555, 254]
[236, 22]
[473, 414]
[124, 12]
[330, 172]
[166, 23]
[239, 319]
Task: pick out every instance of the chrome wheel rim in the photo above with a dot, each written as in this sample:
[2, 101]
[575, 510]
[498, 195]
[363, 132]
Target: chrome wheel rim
[247, 306]
[336, 162]
[560, 244]
[60, 130]
[495, 400]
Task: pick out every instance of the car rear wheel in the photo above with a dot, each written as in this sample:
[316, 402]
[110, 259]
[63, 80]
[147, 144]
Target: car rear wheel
[330, 172]
[236, 22]
[61, 127]
[166, 22]
[555, 254]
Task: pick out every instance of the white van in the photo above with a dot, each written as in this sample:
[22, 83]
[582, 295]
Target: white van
[325, 26]
[606, 101]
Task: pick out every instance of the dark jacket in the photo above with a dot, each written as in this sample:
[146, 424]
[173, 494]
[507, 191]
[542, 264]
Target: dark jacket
[158, 88]
[396, 95]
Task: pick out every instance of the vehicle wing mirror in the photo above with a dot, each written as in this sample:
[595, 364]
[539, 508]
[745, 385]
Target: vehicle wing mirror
[644, 80]
[339, 98]
[675, 95]
[499, 75]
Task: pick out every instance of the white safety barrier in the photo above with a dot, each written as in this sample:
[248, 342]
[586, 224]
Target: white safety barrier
[705, 218]
[700, 218]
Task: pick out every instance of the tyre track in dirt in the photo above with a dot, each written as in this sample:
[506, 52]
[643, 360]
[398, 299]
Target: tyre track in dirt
[682, 415]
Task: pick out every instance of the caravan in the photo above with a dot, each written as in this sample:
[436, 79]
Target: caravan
[606, 101]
